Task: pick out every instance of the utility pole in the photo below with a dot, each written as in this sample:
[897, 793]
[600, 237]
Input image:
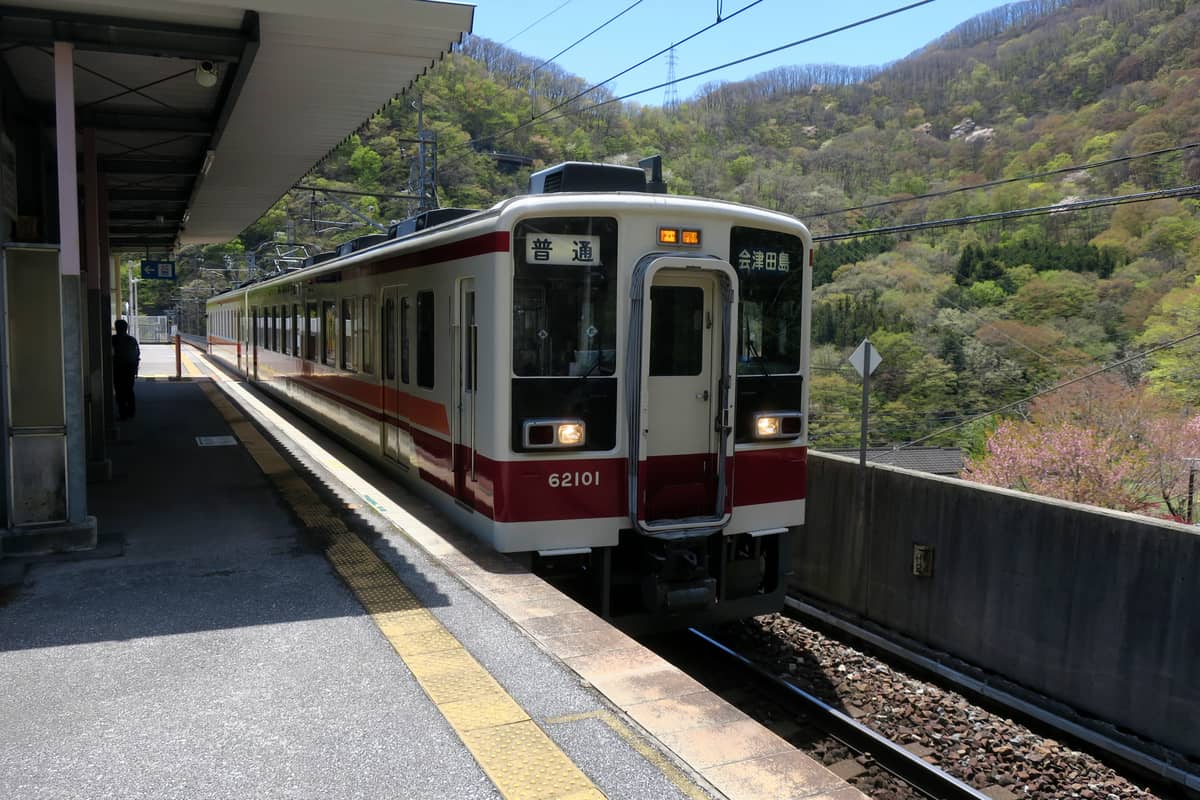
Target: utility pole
[426, 163]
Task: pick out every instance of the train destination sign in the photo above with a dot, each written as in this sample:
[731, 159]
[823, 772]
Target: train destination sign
[562, 249]
[756, 259]
[158, 270]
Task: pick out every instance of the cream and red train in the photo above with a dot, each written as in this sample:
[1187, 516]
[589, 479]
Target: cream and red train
[608, 377]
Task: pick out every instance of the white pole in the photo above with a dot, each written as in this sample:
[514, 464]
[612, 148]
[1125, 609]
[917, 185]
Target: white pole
[68, 185]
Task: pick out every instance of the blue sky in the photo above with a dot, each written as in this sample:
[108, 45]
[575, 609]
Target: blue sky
[655, 24]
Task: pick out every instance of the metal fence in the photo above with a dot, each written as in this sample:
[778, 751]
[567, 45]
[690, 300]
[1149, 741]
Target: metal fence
[151, 330]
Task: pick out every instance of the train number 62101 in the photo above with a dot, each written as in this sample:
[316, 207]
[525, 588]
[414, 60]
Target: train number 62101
[568, 479]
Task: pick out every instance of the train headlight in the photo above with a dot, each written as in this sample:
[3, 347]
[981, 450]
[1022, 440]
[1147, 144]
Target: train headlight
[545, 434]
[777, 424]
[766, 427]
[570, 434]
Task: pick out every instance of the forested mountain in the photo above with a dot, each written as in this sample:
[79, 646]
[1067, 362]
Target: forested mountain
[968, 317]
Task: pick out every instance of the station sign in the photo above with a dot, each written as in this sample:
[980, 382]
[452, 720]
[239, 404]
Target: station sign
[562, 249]
[158, 270]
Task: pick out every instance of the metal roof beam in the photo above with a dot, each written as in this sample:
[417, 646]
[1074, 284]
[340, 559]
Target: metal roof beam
[163, 229]
[150, 166]
[148, 195]
[134, 122]
[41, 27]
[144, 216]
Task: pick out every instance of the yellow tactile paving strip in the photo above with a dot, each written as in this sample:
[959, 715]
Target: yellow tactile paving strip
[675, 710]
[519, 758]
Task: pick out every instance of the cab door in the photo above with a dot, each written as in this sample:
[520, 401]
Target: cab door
[466, 380]
[681, 467]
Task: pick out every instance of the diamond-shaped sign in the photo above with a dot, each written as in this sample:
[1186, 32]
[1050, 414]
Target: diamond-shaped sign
[859, 355]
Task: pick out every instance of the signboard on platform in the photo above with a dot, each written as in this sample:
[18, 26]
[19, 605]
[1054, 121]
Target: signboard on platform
[158, 270]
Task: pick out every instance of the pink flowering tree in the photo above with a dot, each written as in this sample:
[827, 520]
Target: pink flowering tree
[1101, 442]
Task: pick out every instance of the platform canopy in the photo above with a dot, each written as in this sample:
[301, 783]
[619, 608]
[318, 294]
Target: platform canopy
[207, 111]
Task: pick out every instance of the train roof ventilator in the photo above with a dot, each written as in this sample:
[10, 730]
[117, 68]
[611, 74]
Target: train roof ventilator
[582, 176]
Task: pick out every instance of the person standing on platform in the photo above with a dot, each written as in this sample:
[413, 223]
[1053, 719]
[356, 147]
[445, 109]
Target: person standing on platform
[126, 355]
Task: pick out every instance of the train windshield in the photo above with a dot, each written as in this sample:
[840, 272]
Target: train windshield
[771, 285]
[565, 297]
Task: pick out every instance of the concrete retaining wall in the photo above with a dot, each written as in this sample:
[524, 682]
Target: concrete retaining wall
[1098, 609]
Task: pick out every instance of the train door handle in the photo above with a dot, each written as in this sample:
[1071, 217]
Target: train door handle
[702, 395]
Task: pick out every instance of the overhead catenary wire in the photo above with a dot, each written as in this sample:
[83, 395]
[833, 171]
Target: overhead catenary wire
[595, 86]
[590, 33]
[540, 19]
[542, 117]
[1003, 181]
[1055, 388]
[994, 216]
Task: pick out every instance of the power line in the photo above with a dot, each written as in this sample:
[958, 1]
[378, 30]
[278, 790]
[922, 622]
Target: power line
[607, 80]
[590, 33]
[1054, 388]
[975, 219]
[701, 73]
[555, 10]
[1001, 182]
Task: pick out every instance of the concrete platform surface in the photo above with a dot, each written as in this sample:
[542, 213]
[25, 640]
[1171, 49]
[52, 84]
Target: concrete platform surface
[284, 622]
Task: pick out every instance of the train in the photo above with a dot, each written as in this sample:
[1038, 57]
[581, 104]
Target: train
[601, 378]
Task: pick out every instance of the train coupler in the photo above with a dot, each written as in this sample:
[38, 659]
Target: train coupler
[679, 581]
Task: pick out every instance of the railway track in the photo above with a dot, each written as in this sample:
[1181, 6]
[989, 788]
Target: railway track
[975, 742]
[1142, 761]
[891, 756]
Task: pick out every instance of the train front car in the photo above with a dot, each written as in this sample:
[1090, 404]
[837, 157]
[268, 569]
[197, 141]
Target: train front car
[659, 354]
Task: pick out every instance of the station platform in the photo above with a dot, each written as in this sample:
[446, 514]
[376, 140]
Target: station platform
[269, 616]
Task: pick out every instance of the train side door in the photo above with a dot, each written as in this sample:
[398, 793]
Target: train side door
[466, 373]
[389, 369]
[681, 395]
[256, 331]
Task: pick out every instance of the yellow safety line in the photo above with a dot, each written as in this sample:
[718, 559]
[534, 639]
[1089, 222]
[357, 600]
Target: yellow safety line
[674, 774]
[189, 366]
[517, 755]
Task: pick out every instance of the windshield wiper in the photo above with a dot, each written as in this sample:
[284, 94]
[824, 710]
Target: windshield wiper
[762, 365]
[592, 368]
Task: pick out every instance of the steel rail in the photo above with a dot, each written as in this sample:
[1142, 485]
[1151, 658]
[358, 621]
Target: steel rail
[894, 758]
[1137, 760]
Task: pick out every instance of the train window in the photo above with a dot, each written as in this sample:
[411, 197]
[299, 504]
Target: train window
[349, 334]
[368, 335]
[255, 328]
[404, 315]
[676, 330]
[565, 297]
[770, 269]
[389, 339]
[425, 339]
[311, 328]
[329, 329]
[297, 332]
[275, 328]
[285, 330]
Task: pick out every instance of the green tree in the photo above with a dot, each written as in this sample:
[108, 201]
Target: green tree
[1175, 371]
[366, 164]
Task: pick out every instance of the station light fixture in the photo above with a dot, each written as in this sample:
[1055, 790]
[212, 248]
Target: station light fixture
[206, 74]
